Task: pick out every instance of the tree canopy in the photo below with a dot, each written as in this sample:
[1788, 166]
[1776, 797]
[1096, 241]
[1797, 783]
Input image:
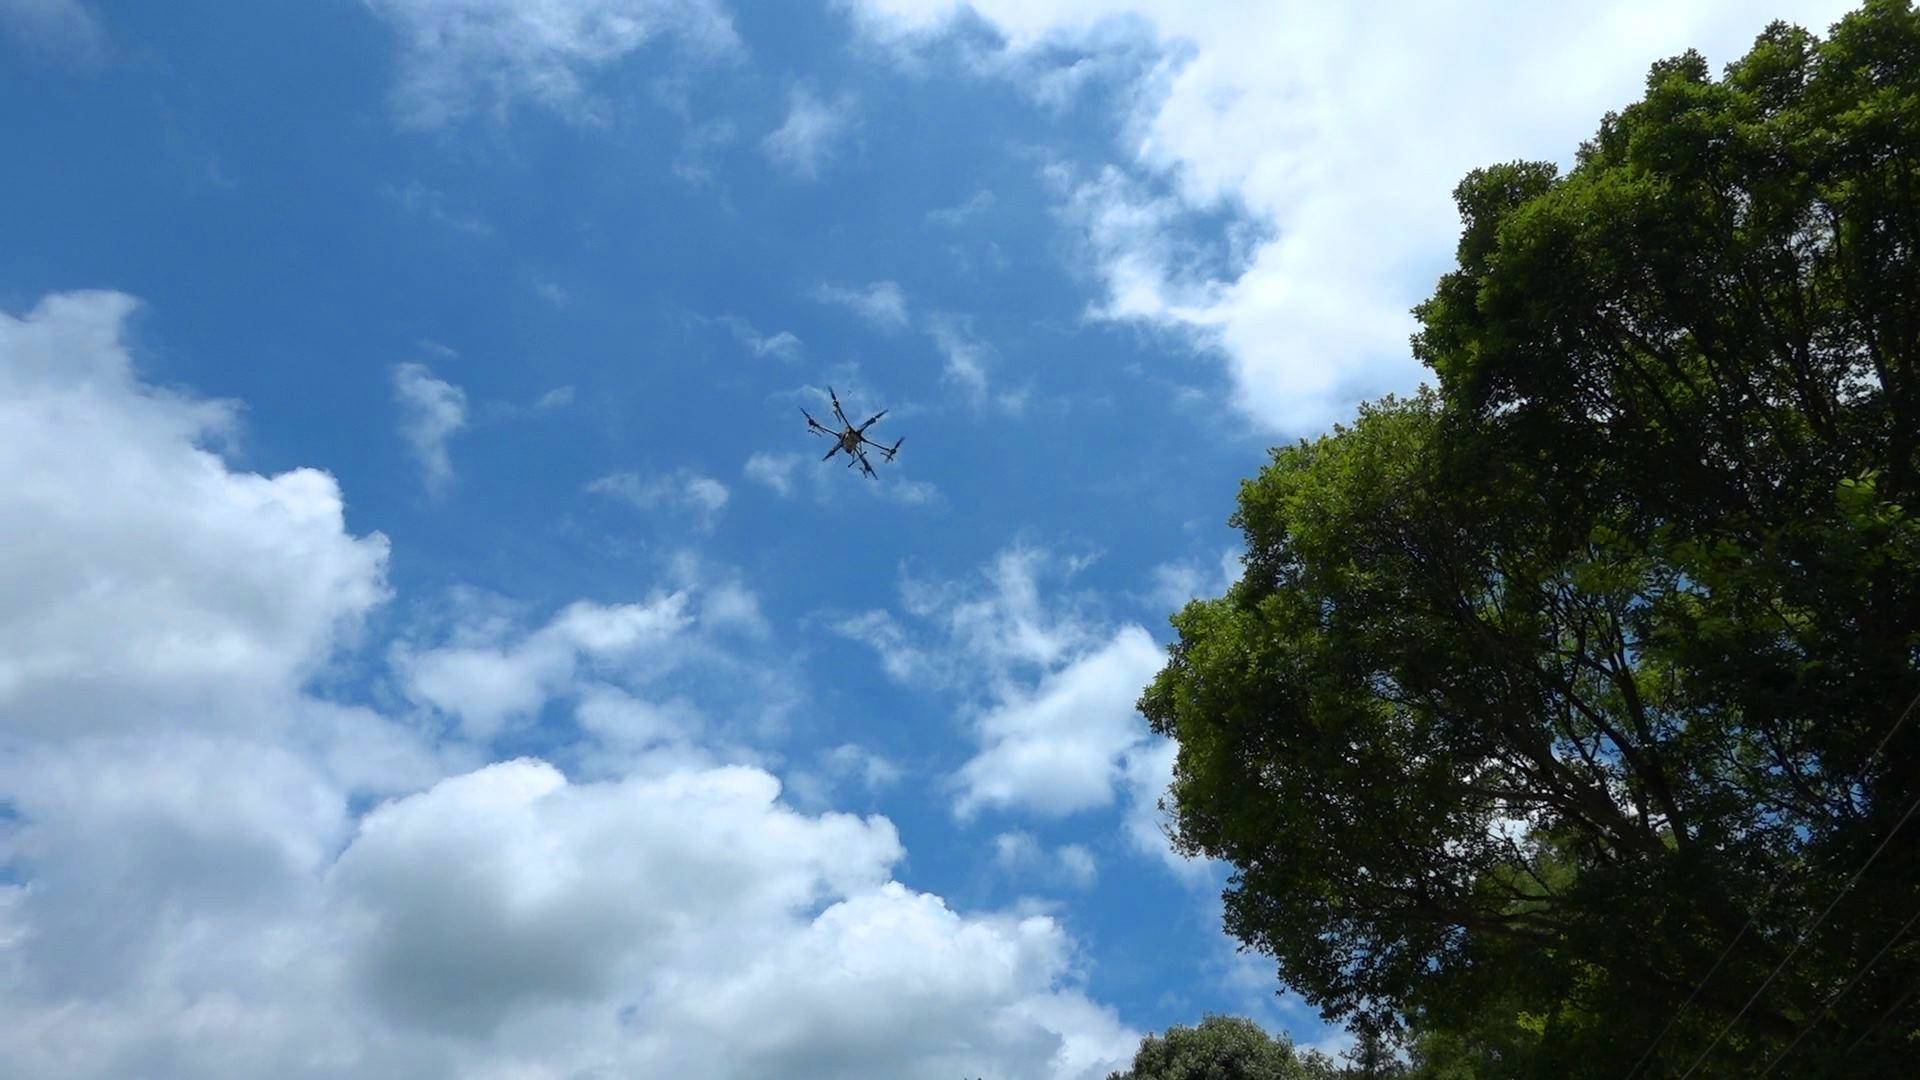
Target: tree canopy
[1223, 1048]
[1547, 718]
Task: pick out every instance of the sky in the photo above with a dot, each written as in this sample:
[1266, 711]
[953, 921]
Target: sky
[430, 642]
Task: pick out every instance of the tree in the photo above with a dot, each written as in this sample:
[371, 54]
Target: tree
[1544, 687]
[1223, 1048]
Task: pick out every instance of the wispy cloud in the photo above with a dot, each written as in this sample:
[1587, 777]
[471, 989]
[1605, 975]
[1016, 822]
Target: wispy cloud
[432, 410]
[773, 470]
[952, 217]
[966, 356]
[807, 139]
[437, 206]
[61, 32]
[781, 345]
[701, 496]
[1020, 852]
[459, 57]
[1054, 684]
[552, 292]
[882, 303]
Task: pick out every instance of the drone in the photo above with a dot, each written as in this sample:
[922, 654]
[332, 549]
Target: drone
[852, 440]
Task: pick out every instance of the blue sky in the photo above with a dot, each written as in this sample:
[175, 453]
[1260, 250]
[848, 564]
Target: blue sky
[437, 648]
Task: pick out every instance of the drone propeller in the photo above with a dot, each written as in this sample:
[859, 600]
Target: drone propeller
[889, 451]
[836, 405]
[875, 420]
[813, 426]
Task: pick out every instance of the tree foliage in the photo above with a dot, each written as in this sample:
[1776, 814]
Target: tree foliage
[1545, 686]
[1223, 1048]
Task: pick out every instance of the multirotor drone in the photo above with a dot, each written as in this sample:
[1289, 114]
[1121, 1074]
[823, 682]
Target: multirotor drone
[852, 440]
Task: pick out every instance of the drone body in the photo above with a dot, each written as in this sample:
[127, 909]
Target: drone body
[851, 440]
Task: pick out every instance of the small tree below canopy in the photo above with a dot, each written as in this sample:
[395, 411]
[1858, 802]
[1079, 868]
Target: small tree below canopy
[1223, 1048]
[1539, 685]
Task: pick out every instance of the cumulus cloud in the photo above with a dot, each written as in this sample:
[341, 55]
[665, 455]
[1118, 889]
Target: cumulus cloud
[213, 871]
[1330, 138]
[508, 921]
[882, 304]
[459, 57]
[699, 495]
[806, 140]
[432, 411]
[513, 856]
[142, 574]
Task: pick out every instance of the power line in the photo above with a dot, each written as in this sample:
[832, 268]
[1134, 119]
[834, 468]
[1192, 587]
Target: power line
[1755, 913]
[1881, 1019]
[1724, 953]
[1864, 968]
[1802, 939]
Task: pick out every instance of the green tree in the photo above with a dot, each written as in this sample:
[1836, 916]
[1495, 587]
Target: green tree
[1541, 684]
[1223, 1048]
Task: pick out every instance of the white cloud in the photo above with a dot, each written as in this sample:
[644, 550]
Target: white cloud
[490, 677]
[882, 303]
[835, 771]
[773, 470]
[783, 345]
[431, 412]
[1333, 136]
[805, 142]
[505, 922]
[1002, 621]
[1175, 583]
[1055, 726]
[196, 885]
[494, 890]
[954, 217]
[699, 495]
[1061, 746]
[704, 142]
[557, 398]
[142, 574]
[437, 206]
[1020, 852]
[966, 356]
[872, 770]
[459, 57]
[1148, 772]
[1078, 864]
[61, 31]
